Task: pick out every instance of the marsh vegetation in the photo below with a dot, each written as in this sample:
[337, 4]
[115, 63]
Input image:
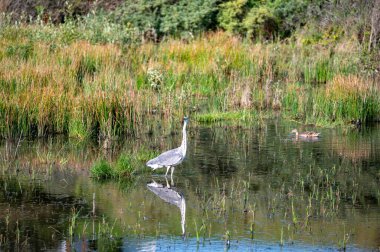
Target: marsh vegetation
[91, 90]
[100, 76]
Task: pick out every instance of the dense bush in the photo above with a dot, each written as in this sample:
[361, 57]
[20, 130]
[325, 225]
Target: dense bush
[263, 19]
[128, 21]
[158, 18]
[261, 22]
[231, 14]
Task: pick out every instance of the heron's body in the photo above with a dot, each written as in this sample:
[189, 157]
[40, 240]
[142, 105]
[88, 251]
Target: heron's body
[168, 158]
[307, 134]
[171, 158]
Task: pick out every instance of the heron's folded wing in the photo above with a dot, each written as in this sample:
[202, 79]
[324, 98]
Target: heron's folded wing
[170, 157]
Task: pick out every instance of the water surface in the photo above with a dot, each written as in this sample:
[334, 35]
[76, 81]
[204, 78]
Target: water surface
[250, 188]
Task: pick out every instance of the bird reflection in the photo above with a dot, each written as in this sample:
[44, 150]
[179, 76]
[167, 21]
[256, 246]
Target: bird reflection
[308, 140]
[171, 196]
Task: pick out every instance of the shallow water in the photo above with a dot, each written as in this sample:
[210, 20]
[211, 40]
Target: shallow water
[250, 188]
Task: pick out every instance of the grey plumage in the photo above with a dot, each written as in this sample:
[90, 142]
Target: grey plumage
[173, 157]
[168, 158]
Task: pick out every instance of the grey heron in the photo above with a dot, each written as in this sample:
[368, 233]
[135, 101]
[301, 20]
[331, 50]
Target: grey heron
[171, 158]
[171, 196]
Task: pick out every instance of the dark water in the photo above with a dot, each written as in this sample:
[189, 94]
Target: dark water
[240, 188]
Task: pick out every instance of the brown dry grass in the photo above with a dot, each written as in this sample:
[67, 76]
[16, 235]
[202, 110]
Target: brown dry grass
[350, 85]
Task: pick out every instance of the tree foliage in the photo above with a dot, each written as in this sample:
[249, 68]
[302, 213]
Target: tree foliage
[261, 22]
[133, 20]
[168, 17]
[231, 14]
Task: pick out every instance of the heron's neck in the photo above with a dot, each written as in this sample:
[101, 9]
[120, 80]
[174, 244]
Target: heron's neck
[184, 140]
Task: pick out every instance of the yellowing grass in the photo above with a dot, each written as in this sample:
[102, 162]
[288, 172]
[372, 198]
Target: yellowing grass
[106, 90]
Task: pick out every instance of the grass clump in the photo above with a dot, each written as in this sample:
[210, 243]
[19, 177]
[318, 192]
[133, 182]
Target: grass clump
[78, 130]
[225, 116]
[23, 51]
[124, 167]
[102, 170]
[87, 66]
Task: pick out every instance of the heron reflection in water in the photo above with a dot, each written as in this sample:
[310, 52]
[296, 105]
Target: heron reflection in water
[171, 196]
[171, 158]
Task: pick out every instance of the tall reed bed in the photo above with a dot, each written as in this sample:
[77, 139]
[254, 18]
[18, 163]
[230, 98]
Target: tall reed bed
[339, 101]
[53, 85]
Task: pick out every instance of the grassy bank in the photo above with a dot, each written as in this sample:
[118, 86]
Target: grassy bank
[54, 81]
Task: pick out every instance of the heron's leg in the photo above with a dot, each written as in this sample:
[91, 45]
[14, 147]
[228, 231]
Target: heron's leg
[167, 182]
[171, 176]
[167, 170]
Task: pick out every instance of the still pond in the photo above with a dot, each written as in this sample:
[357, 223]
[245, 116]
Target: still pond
[247, 188]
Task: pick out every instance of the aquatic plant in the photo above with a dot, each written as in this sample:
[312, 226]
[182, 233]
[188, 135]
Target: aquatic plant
[124, 167]
[102, 170]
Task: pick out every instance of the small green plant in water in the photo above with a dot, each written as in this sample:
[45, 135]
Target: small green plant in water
[73, 221]
[344, 241]
[124, 167]
[102, 170]
[294, 216]
[196, 230]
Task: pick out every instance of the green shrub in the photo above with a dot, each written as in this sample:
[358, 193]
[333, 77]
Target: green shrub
[261, 22]
[157, 18]
[231, 14]
[291, 14]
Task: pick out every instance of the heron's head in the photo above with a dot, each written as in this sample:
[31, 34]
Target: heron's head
[294, 131]
[186, 119]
